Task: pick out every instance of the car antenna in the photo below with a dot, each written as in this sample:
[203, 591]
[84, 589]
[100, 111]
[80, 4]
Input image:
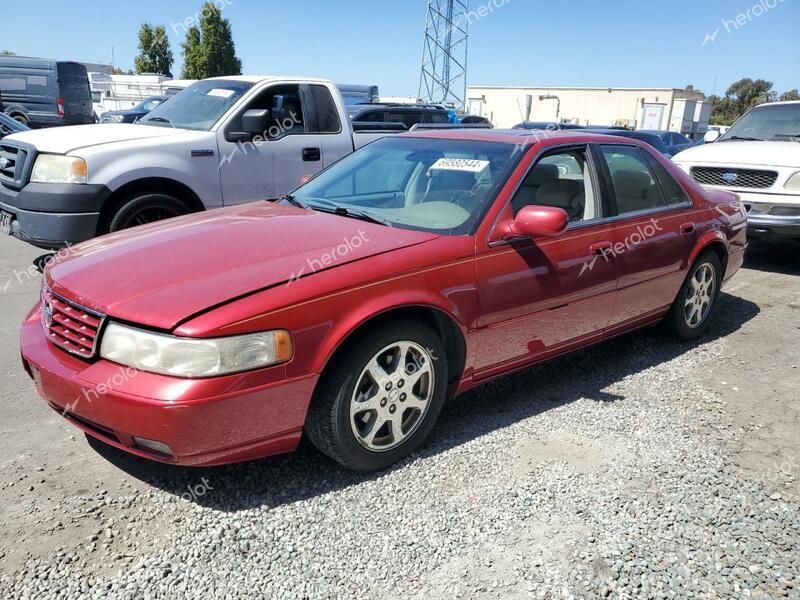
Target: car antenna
[522, 116]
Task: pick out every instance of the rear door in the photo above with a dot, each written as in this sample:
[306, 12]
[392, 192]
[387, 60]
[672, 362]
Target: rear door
[656, 225]
[73, 88]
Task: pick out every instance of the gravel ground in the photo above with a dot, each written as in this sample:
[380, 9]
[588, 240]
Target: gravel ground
[614, 472]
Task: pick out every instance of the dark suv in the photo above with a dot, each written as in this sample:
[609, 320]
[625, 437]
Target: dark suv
[406, 114]
[45, 93]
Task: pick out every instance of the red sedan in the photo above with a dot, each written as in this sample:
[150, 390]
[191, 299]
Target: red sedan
[415, 269]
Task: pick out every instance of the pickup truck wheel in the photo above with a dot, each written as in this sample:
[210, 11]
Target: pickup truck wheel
[146, 208]
[691, 312]
[380, 398]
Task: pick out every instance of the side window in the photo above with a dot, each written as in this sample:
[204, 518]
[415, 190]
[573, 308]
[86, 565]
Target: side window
[376, 116]
[286, 112]
[327, 114]
[672, 190]
[562, 179]
[635, 187]
[409, 119]
[12, 83]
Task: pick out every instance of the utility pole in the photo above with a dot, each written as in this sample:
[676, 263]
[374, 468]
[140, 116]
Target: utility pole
[443, 78]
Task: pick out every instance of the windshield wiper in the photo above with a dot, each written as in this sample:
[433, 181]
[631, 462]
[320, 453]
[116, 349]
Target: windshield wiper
[742, 138]
[341, 211]
[796, 136]
[291, 200]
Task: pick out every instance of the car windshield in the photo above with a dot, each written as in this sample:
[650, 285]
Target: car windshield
[777, 123]
[199, 106]
[147, 105]
[438, 185]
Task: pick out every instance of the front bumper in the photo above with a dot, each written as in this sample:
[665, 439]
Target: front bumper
[53, 216]
[201, 422]
[772, 215]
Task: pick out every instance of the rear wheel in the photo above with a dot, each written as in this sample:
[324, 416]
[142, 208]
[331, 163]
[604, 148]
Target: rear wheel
[20, 118]
[691, 312]
[380, 398]
[144, 209]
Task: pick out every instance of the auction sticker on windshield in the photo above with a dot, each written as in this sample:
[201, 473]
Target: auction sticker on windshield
[220, 93]
[459, 164]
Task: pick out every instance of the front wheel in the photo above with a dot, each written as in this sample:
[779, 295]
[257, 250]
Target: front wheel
[691, 312]
[144, 209]
[380, 398]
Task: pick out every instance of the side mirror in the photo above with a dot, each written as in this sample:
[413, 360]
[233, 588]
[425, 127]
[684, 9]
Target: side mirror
[255, 121]
[532, 221]
[712, 136]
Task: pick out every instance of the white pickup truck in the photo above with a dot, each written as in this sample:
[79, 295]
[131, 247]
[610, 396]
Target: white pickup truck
[220, 142]
[758, 158]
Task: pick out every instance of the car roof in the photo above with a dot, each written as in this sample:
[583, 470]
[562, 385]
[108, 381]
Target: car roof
[267, 78]
[527, 137]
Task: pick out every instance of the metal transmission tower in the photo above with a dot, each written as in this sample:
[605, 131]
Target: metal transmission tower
[444, 56]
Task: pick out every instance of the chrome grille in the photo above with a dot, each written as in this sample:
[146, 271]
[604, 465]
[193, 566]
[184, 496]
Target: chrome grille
[738, 178]
[70, 326]
[13, 163]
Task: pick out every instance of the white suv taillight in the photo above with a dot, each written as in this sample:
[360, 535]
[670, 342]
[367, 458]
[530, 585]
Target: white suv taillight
[60, 106]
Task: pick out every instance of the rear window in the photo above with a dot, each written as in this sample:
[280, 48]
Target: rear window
[327, 114]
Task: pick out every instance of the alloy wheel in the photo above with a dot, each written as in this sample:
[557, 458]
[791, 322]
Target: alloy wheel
[700, 295]
[392, 396]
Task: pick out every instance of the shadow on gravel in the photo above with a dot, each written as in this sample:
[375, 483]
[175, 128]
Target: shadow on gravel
[774, 257]
[306, 473]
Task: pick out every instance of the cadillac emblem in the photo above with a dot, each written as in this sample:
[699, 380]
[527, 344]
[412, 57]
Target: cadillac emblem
[47, 315]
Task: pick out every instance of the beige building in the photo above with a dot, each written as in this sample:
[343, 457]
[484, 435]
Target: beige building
[679, 110]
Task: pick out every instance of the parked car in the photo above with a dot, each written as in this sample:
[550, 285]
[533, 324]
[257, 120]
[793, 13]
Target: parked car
[132, 115]
[673, 141]
[648, 138]
[759, 159]
[45, 93]
[547, 126]
[417, 268]
[475, 120]
[219, 142]
[9, 126]
[406, 114]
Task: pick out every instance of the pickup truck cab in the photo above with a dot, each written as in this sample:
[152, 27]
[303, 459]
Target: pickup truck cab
[759, 159]
[220, 142]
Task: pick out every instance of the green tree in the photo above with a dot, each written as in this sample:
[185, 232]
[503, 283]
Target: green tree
[193, 63]
[7, 53]
[209, 50]
[790, 95]
[155, 54]
[740, 97]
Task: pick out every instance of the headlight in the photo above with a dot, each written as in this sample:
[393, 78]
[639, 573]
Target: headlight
[55, 168]
[794, 183]
[193, 357]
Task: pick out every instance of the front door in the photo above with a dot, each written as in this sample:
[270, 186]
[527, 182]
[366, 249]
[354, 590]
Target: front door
[274, 161]
[542, 294]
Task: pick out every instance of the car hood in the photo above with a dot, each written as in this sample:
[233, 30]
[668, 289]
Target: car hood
[161, 274]
[63, 140]
[769, 154]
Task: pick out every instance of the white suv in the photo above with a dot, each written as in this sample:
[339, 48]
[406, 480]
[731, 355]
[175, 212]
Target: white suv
[758, 159]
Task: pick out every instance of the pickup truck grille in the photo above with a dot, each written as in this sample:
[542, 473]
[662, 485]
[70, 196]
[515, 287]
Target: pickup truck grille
[12, 165]
[738, 178]
[69, 326]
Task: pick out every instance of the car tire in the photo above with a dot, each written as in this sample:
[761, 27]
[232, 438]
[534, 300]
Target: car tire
[365, 392]
[690, 315]
[20, 118]
[146, 208]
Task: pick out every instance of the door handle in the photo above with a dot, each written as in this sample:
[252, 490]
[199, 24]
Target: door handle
[687, 228]
[312, 154]
[600, 248]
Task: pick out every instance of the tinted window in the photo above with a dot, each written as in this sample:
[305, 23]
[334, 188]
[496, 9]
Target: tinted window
[562, 180]
[327, 114]
[30, 85]
[438, 116]
[409, 118]
[635, 187]
[376, 116]
[672, 190]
